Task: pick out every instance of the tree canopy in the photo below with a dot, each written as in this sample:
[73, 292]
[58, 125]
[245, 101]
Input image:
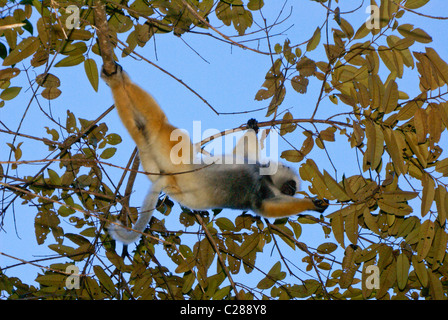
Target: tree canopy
[370, 139]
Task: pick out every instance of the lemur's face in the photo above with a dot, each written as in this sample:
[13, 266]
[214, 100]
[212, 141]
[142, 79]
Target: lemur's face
[289, 188]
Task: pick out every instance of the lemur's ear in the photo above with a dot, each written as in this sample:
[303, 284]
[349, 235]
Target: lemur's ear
[285, 206]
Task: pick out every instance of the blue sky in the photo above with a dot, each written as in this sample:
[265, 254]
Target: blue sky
[228, 80]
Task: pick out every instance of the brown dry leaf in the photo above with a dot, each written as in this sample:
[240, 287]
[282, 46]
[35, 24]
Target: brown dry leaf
[390, 97]
[375, 141]
[403, 266]
[421, 125]
[441, 198]
[427, 194]
[349, 267]
[426, 235]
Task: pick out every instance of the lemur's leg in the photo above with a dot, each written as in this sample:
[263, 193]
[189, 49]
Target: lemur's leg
[146, 123]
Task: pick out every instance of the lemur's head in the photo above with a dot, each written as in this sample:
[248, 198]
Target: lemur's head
[286, 180]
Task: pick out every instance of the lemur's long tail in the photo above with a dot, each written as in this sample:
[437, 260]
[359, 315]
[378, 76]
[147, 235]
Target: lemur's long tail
[127, 236]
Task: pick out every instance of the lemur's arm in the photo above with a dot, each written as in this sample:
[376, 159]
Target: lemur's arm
[284, 206]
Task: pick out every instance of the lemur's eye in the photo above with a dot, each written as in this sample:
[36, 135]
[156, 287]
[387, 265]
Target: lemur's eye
[289, 188]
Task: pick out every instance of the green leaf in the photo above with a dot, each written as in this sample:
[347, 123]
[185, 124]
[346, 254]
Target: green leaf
[225, 224]
[327, 247]
[70, 61]
[54, 177]
[104, 279]
[274, 275]
[314, 41]
[113, 139]
[91, 70]
[10, 93]
[51, 93]
[415, 4]
[22, 51]
[255, 5]
[108, 153]
[403, 266]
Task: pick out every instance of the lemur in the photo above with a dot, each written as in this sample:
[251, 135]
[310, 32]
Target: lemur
[196, 186]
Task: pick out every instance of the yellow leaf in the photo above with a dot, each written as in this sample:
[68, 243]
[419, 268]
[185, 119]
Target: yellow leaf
[390, 97]
[292, 155]
[387, 56]
[395, 208]
[306, 67]
[362, 31]
[421, 126]
[255, 5]
[48, 80]
[399, 196]
[362, 94]
[375, 141]
[317, 179]
[225, 224]
[411, 140]
[420, 270]
[351, 226]
[337, 225]
[368, 253]
[442, 167]
[387, 279]
[51, 93]
[347, 28]
[349, 267]
[441, 198]
[287, 127]
[335, 188]
[385, 13]
[314, 41]
[436, 287]
[441, 65]
[370, 221]
[375, 89]
[327, 247]
[420, 35]
[408, 110]
[426, 235]
[299, 83]
[9, 73]
[394, 151]
[328, 134]
[427, 194]
[439, 247]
